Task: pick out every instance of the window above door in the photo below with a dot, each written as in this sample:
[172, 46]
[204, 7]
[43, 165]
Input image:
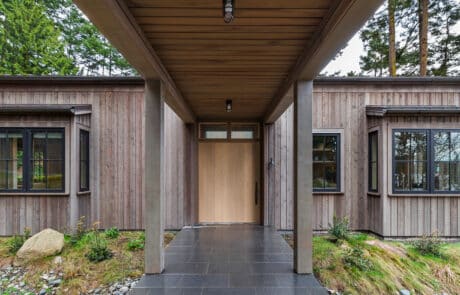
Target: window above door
[229, 131]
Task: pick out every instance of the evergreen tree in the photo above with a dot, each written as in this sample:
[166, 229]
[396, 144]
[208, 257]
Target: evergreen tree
[30, 44]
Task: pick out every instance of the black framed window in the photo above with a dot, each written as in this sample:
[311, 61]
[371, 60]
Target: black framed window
[373, 184]
[326, 162]
[32, 160]
[84, 160]
[426, 161]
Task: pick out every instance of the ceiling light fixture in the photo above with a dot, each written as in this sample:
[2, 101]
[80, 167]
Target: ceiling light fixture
[228, 11]
[228, 105]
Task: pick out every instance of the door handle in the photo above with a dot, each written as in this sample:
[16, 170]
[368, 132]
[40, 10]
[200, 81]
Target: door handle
[256, 193]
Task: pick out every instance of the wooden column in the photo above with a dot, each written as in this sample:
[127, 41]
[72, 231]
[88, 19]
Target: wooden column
[303, 196]
[153, 177]
[74, 174]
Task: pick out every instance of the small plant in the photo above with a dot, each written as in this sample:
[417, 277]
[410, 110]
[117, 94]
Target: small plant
[17, 241]
[429, 245]
[339, 228]
[112, 233]
[136, 244]
[98, 250]
[79, 232]
[355, 257]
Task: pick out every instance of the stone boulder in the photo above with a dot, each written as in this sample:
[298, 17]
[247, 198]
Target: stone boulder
[48, 242]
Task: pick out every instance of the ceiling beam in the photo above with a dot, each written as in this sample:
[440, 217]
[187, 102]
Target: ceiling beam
[115, 21]
[344, 19]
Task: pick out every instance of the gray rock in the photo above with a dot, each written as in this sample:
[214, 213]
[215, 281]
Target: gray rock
[55, 283]
[42, 292]
[404, 292]
[124, 290]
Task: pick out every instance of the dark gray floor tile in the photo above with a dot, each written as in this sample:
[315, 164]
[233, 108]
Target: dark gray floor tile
[157, 281]
[272, 267]
[186, 268]
[229, 291]
[209, 280]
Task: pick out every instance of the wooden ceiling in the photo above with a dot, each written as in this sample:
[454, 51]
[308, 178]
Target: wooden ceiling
[246, 60]
[255, 60]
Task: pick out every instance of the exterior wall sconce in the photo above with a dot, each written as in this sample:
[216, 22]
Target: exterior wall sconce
[228, 105]
[228, 11]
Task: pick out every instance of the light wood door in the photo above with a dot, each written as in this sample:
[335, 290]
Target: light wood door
[229, 182]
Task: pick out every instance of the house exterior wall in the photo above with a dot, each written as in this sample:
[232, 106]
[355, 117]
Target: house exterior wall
[116, 158]
[341, 105]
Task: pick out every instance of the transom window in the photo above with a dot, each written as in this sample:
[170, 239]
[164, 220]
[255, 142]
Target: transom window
[31, 160]
[426, 161]
[326, 159]
[229, 131]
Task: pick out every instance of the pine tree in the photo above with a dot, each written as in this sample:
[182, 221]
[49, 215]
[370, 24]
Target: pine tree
[423, 35]
[392, 37]
[30, 43]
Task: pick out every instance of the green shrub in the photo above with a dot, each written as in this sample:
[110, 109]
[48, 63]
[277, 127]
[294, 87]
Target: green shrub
[112, 233]
[339, 228]
[17, 241]
[98, 250]
[429, 245]
[355, 257]
[136, 244]
[79, 231]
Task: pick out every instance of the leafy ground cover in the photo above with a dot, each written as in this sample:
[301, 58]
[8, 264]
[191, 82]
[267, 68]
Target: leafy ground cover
[362, 264]
[80, 275]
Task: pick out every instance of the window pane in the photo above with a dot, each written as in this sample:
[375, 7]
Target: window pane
[330, 148]
[38, 175]
[401, 177]
[54, 148]
[83, 175]
[373, 179]
[3, 174]
[55, 174]
[239, 134]
[441, 146]
[330, 179]
[402, 145]
[455, 176]
[455, 146]
[84, 142]
[374, 149]
[419, 146]
[215, 134]
[418, 176]
[38, 146]
[441, 176]
[14, 175]
[318, 148]
[318, 176]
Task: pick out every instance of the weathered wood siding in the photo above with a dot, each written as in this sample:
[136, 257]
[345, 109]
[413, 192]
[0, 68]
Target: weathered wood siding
[341, 106]
[116, 159]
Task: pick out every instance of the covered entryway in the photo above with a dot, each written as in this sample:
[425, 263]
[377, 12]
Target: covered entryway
[263, 55]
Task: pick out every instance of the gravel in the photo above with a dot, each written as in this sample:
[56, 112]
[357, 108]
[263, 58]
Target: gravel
[12, 282]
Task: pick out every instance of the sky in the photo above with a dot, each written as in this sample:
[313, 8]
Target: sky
[349, 60]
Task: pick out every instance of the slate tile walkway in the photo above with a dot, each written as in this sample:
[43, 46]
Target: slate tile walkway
[229, 260]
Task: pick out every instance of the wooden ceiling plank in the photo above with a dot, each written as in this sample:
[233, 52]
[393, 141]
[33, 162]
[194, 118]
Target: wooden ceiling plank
[344, 19]
[228, 36]
[226, 29]
[218, 21]
[258, 4]
[114, 20]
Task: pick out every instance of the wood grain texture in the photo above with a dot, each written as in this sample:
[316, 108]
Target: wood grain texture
[342, 106]
[116, 154]
[228, 174]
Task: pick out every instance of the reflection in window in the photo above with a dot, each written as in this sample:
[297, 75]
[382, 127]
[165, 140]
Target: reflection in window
[410, 150]
[243, 132]
[446, 145]
[325, 162]
[11, 160]
[31, 159]
[373, 161]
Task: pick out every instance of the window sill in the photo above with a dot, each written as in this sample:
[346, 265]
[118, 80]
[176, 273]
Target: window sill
[455, 195]
[37, 194]
[328, 193]
[84, 193]
[373, 194]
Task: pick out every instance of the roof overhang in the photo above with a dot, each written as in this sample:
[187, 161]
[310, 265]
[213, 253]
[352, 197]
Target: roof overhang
[64, 109]
[255, 60]
[384, 111]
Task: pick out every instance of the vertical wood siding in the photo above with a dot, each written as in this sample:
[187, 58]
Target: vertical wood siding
[343, 107]
[117, 164]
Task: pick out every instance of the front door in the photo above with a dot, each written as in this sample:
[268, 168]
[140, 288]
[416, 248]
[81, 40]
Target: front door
[229, 182]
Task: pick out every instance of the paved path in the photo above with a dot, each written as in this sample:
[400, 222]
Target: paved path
[229, 260]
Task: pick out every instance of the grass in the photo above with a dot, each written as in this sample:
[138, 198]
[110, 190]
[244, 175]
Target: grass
[81, 275]
[394, 266]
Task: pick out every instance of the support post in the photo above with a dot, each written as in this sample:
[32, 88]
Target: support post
[153, 177]
[303, 168]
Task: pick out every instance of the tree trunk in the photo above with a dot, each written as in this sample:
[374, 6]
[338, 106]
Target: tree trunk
[392, 38]
[423, 35]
